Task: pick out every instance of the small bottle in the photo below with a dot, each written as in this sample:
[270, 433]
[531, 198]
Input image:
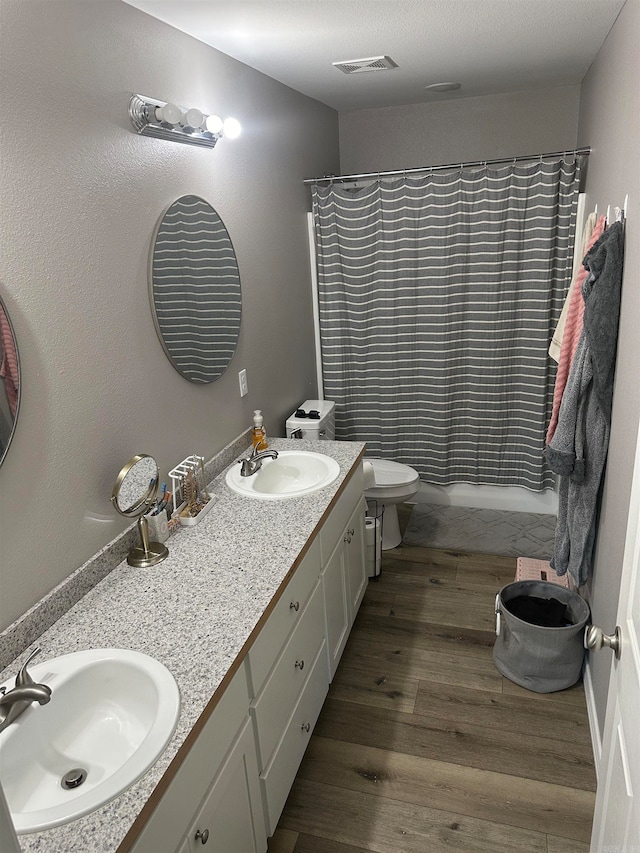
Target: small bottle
[258, 433]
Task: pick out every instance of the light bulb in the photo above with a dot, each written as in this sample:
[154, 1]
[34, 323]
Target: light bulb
[193, 118]
[231, 128]
[170, 114]
[213, 124]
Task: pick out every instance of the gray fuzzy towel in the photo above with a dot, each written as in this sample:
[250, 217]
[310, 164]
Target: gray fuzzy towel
[578, 450]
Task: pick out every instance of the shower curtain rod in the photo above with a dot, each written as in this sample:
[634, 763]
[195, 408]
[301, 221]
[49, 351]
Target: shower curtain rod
[578, 152]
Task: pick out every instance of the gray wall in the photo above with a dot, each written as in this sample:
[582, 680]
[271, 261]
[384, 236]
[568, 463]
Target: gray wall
[452, 131]
[610, 123]
[81, 195]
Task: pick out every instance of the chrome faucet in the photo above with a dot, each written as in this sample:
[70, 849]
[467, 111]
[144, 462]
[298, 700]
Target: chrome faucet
[253, 463]
[18, 699]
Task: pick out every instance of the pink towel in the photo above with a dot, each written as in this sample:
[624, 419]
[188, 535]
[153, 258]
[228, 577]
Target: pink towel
[572, 331]
[9, 366]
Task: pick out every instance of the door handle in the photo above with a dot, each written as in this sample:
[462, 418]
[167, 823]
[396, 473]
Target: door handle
[595, 639]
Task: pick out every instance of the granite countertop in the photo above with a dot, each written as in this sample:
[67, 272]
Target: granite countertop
[194, 612]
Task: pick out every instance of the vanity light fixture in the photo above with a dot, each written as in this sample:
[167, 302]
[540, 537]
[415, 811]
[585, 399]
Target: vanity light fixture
[169, 121]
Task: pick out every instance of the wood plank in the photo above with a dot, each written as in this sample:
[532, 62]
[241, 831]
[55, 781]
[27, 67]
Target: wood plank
[376, 597]
[314, 844]
[501, 561]
[385, 825]
[571, 696]
[360, 684]
[568, 845]
[484, 576]
[378, 602]
[443, 663]
[522, 714]
[420, 570]
[394, 632]
[425, 556]
[282, 841]
[448, 605]
[484, 748]
[504, 799]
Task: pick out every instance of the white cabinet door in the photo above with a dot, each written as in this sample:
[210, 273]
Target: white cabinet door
[336, 606]
[227, 822]
[224, 746]
[355, 563]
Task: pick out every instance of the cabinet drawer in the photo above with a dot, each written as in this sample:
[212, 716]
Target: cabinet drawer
[273, 707]
[283, 619]
[277, 779]
[333, 527]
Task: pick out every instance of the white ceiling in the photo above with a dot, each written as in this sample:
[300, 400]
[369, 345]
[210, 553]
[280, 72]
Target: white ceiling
[489, 46]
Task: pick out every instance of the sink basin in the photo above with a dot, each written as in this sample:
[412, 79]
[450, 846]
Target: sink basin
[292, 474]
[111, 714]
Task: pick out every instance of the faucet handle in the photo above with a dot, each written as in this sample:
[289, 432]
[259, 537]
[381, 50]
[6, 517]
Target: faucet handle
[23, 676]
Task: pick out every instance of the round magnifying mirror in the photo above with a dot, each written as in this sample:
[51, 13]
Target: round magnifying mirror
[134, 491]
[136, 486]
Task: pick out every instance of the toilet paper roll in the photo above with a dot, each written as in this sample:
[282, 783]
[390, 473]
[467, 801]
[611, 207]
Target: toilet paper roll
[369, 476]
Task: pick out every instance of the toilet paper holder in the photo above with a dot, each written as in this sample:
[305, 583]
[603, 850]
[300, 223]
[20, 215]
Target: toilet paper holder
[373, 538]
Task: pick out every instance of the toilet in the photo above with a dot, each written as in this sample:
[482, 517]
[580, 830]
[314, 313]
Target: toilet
[392, 482]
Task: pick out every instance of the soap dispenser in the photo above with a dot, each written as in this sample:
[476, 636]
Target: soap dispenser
[259, 434]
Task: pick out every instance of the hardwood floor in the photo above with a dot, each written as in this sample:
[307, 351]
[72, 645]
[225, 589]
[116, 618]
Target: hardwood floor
[422, 746]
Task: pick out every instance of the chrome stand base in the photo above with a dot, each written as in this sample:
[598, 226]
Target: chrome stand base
[142, 559]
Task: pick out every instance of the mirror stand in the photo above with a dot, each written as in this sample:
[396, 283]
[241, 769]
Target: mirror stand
[147, 553]
[133, 494]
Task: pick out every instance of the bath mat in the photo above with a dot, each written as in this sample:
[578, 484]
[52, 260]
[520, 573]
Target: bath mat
[485, 531]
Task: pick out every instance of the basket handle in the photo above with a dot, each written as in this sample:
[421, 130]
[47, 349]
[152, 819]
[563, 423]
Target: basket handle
[498, 614]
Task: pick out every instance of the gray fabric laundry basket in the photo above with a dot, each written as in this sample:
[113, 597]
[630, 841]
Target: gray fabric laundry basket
[539, 658]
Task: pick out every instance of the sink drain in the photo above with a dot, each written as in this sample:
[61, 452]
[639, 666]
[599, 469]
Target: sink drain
[74, 778]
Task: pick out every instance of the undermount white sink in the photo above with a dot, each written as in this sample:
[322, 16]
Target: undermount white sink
[111, 714]
[292, 474]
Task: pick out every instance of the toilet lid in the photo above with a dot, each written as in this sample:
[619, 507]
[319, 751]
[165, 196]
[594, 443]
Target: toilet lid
[388, 473]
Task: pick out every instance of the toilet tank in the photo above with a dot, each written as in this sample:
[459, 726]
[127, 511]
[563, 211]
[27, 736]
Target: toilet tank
[318, 423]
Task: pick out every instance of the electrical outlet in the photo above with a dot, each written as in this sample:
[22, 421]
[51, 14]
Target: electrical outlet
[244, 387]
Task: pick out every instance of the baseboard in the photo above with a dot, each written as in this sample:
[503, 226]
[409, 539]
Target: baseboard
[596, 740]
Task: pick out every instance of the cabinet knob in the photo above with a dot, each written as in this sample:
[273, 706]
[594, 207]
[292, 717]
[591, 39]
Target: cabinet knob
[300, 665]
[295, 605]
[202, 836]
[306, 727]
[347, 538]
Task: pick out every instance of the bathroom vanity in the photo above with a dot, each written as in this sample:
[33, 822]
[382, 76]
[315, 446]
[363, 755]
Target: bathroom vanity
[250, 612]
[244, 761]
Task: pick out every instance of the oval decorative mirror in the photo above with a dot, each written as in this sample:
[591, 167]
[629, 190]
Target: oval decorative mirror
[194, 285]
[9, 381]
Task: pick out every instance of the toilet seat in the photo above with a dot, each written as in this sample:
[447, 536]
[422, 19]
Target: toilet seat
[393, 480]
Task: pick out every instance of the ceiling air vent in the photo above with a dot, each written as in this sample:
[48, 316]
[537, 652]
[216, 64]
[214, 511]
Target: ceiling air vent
[372, 63]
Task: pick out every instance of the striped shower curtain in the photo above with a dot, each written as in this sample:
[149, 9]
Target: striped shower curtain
[438, 296]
